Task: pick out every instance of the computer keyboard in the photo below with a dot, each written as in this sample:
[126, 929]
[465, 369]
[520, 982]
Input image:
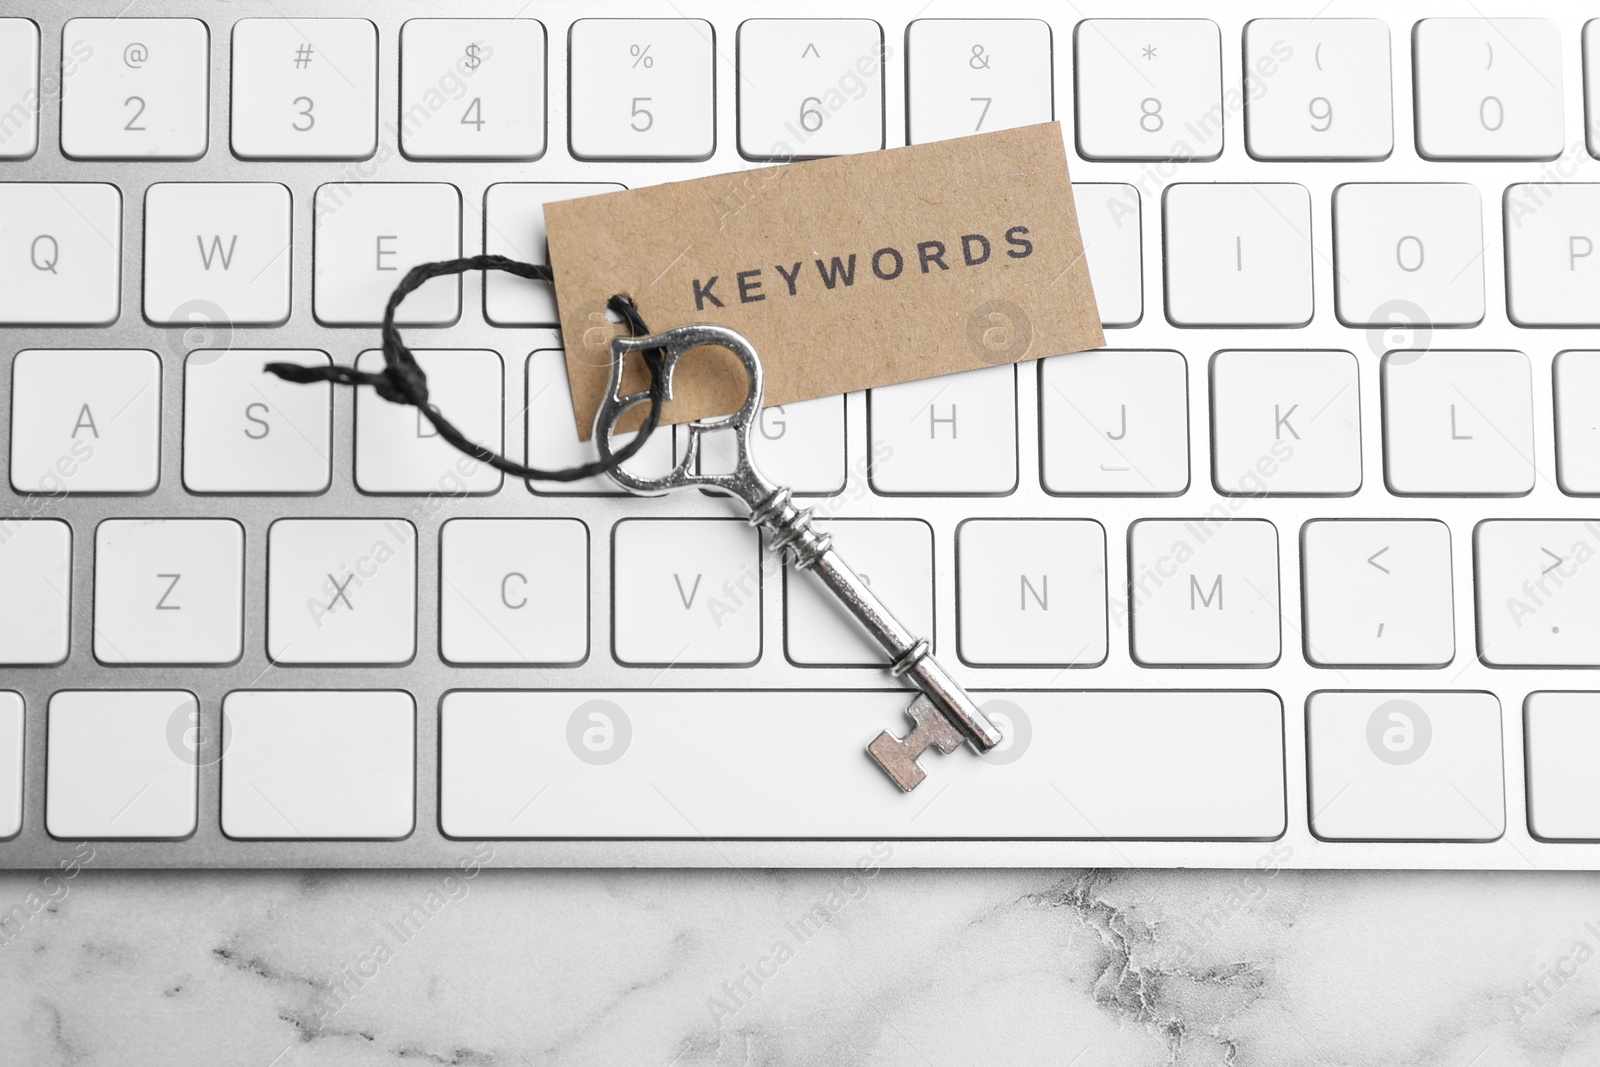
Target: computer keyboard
[1300, 570]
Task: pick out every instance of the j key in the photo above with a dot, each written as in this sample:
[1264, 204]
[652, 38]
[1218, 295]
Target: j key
[1552, 270]
[945, 715]
[60, 253]
[1378, 593]
[19, 83]
[140, 92]
[810, 87]
[1488, 88]
[1149, 89]
[472, 88]
[971, 76]
[1318, 89]
[642, 89]
[305, 89]
[36, 587]
[1538, 591]
[514, 591]
[117, 766]
[245, 431]
[1458, 422]
[1115, 423]
[1408, 252]
[216, 253]
[168, 591]
[1405, 766]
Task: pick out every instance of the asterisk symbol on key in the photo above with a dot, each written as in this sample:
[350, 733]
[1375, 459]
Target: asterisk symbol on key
[1149, 51]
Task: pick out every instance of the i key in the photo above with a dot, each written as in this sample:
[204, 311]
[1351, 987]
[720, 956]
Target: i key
[945, 715]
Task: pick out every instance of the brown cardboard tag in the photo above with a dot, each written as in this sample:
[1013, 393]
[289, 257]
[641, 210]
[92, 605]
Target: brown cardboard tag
[845, 273]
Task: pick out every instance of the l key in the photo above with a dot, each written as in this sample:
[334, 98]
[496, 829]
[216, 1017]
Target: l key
[944, 713]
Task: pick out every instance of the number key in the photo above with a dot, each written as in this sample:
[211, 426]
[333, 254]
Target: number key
[1488, 88]
[138, 89]
[1318, 89]
[977, 75]
[1149, 89]
[305, 89]
[810, 87]
[643, 89]
[472, 88]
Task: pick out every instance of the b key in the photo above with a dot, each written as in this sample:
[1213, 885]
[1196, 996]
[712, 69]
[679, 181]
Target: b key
[944, 714]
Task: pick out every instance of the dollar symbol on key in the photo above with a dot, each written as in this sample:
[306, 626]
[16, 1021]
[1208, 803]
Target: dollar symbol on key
[474, 56]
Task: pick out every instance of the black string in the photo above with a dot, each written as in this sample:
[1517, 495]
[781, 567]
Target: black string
[402, 380]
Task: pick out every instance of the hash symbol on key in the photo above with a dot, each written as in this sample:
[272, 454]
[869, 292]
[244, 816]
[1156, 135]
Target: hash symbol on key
[945, 715]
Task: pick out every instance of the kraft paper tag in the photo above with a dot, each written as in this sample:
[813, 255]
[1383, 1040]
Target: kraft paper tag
[845, 273]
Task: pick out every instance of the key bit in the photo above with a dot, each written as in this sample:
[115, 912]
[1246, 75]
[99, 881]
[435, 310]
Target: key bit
[898, 757]
[945, 715]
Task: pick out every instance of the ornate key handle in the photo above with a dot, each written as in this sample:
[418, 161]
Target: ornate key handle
[945, 715]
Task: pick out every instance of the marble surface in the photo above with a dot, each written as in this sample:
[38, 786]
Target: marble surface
[886, 966]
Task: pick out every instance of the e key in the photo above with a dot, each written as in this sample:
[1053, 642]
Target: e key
[945, 715]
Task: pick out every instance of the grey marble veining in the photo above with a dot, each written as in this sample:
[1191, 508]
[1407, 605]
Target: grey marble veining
[1079, 968]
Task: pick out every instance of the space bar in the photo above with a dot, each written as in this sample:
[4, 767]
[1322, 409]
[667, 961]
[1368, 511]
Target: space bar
[725, 764]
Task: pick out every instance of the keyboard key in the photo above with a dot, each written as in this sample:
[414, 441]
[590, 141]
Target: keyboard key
[686, 592]
[642, 89]
[1318, 88]
[798, 445]
[368, 236]
[19, 85]
[62, 254]
[1149, 89]
[139, 89]
[1109, 220]
[114, 768]
[1405, 766]
[319, 764]
[1285, 422]
[810, 87]
[1238, 255]
[246, 431]
[1417, 248]
[305, 89]
[10, 764]
[216, 253]
[85, 421]
[399, 451]
[1551, 266]
[341, 591]
[1563, 733]
[472, 88]
[956, 433]
[1538, 598]
[1114, 423]
[1378, 593]
[553, 433]
[514, 591]
[1577, 382]
[632, 764]
[1488, 88]
[967, 76]
[1458, 422]
[36, 589]
[1010, 611]
[168, 591]
[513, 225]
[1204, 593]
[1591, 82]
[894, 557]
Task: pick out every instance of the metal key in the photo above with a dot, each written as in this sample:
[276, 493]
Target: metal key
[943, 712]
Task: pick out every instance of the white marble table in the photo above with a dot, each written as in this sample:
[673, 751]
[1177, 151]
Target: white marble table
[923, 968]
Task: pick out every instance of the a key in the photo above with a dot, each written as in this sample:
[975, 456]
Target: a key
[945, 715]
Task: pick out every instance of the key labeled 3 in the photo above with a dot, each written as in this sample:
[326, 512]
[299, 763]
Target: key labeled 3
[305, 88]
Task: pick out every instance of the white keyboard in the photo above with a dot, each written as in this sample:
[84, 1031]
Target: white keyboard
[1303, 569]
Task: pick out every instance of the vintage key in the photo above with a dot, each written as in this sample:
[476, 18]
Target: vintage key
[944, 714]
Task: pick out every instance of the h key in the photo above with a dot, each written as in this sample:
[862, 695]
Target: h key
[944, 714]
